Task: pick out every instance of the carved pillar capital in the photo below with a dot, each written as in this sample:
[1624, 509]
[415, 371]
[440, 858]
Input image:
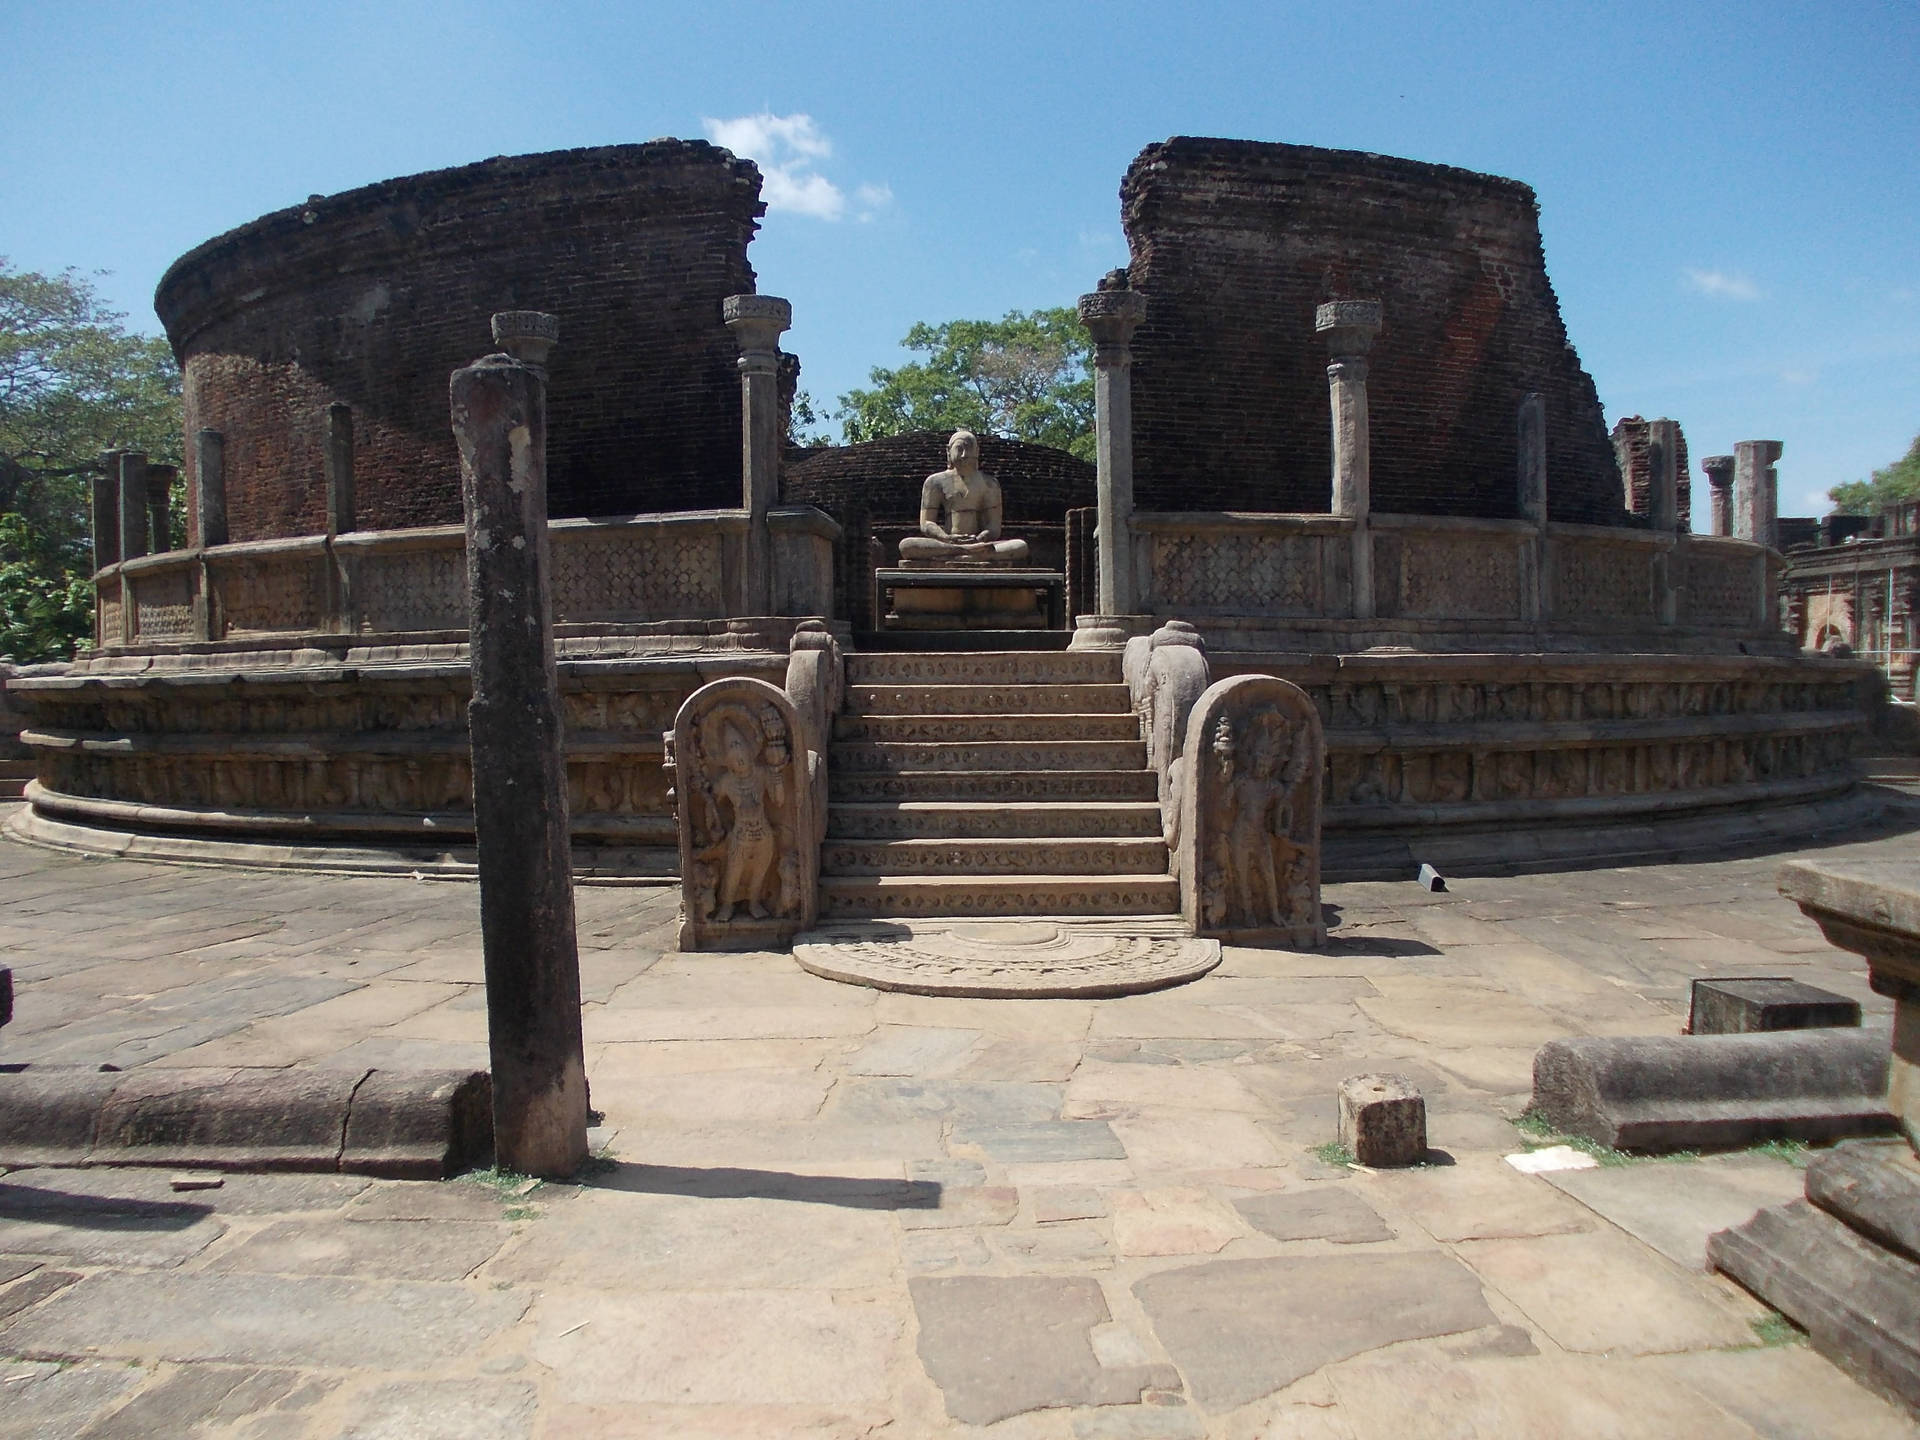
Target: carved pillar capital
[757, 323]
[1111, 317]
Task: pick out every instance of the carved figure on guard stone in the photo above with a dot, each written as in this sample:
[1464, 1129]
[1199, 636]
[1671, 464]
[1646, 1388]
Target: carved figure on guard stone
[1248, 846]
[748, 850]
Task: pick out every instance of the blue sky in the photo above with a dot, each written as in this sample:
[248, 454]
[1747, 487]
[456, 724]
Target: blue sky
[1730, 194]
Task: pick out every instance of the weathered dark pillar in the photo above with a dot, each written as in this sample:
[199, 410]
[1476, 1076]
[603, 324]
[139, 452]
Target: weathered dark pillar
[1663, 511]
[133, 504]
[1719, 470]
[757, 322]
[339, 469]
[519, 770]
[160, 480]
[210, 487]
[1530, 452]
[1756, 491]
[1111, 316]
[1348, 327]
[106, 511]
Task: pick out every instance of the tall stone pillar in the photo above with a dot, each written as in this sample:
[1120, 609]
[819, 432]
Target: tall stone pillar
[133, 504]
[106, 511]
[1756, 491]
[1663, 510]
[340, 516]
[499, 406]
[757, 322]
[1111, 317]
[160, 480]
[1348, 326]
[1719, 470]
[1530, 453]
[210, 488]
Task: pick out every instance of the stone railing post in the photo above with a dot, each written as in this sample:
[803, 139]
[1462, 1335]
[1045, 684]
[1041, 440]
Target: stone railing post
[757, 322]
[1111, 317]
[340, 517]
[1530, 450]
[1756, 491]
[520, 815]
[210, 487]
[160, 479]
[1719, 470]
[106, 511]
[1348, 327]
[133, 505]
[1663, 509]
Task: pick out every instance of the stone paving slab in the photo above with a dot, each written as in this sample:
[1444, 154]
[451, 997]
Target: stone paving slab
[795, 1166]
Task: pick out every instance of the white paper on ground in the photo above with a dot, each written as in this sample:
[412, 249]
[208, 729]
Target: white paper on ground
[1554, 1157]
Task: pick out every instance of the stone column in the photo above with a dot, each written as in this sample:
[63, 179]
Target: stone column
[499, 406]
[210, 488]
[133, 505]
[160, 480]
[1348, 326]
[757, 322]
[1530, 452]
[106, 511]
[1111, 317]
[1719, 470]
[1756, 491]
[1663, 510]
[340, 517]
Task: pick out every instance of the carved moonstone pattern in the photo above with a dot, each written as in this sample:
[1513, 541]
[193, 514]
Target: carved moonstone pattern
[749, 857]
[1008, 959]
[1247, 788]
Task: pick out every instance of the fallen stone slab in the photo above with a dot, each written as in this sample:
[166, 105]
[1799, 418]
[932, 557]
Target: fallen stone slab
[1858, 1302]
[419, 1124]
[1683, 1092]
[1743, 1006]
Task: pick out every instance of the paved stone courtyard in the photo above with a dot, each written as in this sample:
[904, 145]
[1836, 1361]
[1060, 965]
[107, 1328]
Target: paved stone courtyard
[829, 1211]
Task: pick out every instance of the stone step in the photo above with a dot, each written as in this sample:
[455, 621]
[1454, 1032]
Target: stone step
[982, 785]
[847, 896]
[1002, 667]
[987, 819]
[997, 858]
[988, 700]
[884, 757]
[948, 729]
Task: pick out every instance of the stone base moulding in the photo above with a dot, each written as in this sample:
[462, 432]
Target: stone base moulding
[402, 1124]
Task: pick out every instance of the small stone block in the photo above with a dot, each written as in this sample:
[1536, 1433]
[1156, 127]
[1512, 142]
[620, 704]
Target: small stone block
[1432, 879]
[1744, 1006]
[1383, 1120]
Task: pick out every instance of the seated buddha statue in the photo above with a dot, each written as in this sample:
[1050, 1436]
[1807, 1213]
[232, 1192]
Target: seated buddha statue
[960, 515]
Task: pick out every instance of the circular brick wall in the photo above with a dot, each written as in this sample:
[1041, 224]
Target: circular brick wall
[373, 297]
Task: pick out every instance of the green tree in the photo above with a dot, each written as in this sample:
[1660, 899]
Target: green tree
[1898, 481]
[1028, 376]
[73, 383]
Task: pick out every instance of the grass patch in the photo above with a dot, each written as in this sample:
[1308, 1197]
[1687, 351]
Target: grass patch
[1792, 1152]
[507, 1184]
[1772, 1330]
[1334, 1153]
[522, 1212]
[1537, 1133]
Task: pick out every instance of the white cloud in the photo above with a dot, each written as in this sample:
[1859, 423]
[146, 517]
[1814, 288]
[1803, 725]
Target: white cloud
[1720, 285]
[788, 149]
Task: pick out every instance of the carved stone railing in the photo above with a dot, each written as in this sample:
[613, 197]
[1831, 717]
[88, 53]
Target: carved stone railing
[687, 565]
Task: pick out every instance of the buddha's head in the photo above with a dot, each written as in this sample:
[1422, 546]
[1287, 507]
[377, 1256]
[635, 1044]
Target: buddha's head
[963, 448]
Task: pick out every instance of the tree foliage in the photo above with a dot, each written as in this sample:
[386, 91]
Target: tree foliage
[1898, 481]
[1027, 376]
[73, 383]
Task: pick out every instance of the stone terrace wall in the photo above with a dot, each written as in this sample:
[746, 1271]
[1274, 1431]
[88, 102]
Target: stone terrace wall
[1631, 456]
[1235, 243]
[374, 296]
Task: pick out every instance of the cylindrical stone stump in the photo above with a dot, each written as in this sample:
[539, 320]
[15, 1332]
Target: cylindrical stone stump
[519, 784]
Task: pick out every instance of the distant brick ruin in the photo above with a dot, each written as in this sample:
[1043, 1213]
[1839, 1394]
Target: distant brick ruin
[1236, 242]
[370, 298]
[1636, 478]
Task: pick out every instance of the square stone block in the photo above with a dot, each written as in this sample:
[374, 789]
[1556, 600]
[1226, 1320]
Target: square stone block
[1383, 1120]
[1742, 1006]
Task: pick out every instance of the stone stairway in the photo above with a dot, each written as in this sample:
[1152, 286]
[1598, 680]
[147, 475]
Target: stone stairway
[991, 784]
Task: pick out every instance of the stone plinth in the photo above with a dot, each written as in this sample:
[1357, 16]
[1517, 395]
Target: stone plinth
[969, 597]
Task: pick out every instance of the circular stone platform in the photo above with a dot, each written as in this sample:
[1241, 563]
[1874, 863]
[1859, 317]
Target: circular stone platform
[1008, 959]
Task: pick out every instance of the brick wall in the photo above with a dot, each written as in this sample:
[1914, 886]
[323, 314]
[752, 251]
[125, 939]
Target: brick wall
[1630, 458]
[375, 296]
[1236, 242]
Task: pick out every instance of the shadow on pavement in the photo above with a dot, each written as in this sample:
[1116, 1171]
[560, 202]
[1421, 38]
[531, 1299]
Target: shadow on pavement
[105, 1212]
[728, 1183]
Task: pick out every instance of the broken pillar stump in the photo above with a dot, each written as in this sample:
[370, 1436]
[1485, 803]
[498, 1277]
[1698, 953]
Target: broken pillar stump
[1383, 1120]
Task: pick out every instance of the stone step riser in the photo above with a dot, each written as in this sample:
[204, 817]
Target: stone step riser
[988, 700]
[1000, 859]
[965, 729]
[931, 821]
[979, 785]
[1064, 667]
[869, 758]
[848, 897]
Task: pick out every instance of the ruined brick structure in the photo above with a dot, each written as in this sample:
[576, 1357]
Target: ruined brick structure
[1235, 242]
[372, 297]
[1636, 476]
